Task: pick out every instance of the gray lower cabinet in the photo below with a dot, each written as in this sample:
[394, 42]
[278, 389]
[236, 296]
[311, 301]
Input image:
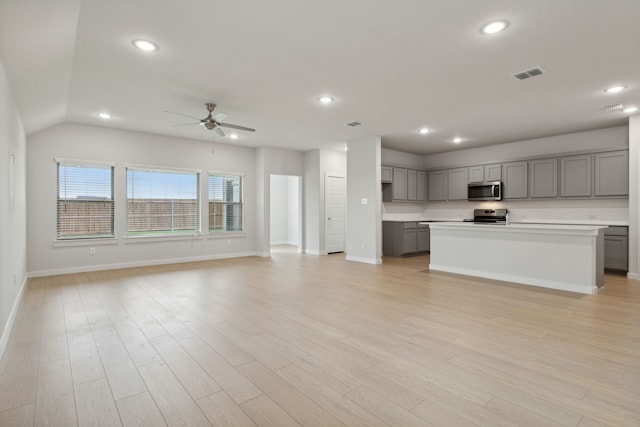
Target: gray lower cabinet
[616, 243]
[575, 176]
[437, 186]
[612, 173]
[543, 178]
[423, 238]
[457, 184]
[514, 176]
[404, 238]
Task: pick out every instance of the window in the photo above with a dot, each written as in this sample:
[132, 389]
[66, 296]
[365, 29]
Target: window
[161, 202]
[85, 200]
[225, 202]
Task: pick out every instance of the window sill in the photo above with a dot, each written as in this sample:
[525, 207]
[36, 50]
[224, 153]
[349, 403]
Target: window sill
[226, 235]
[161, 238]
[85, 242]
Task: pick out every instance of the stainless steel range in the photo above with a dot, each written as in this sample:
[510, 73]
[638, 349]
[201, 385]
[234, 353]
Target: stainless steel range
[490, 216]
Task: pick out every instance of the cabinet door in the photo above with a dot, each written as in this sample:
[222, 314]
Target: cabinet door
[386, 174]
[476, 174]
[423, 239]
[457, 184]
[410, 241]
[543, 178]
[575, 176]
[437, 186]
[421, 185]
[399, 184]
[493, 172]
[615, 252]
[514, 175]
[411, 185]
[612, 173]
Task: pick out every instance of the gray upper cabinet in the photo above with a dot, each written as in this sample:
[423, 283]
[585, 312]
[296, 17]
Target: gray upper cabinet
[514, 175]
[421, 186]
[543, 178]
[437, 185]
[476, 174]
[399, 184]
[575, 176]
[457, 184]
[493, 172]
[411, 185]
[612, 173]
[386, 174]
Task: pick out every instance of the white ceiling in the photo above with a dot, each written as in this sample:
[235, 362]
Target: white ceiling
[395, 66]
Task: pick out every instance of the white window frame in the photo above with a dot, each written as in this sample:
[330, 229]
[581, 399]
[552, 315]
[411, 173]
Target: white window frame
[87, 240]
[226, 233]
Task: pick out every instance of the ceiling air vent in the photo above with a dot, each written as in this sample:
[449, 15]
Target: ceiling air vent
[353, 124]
[528, 73]
[612, 107]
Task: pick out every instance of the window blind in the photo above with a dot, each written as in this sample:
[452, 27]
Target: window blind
[161, 202]
[85, 207]
[225, 203]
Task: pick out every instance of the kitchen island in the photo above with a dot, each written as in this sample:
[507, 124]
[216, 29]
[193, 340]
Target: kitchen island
[566, 257]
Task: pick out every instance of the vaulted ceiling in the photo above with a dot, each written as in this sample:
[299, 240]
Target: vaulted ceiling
[393, 66]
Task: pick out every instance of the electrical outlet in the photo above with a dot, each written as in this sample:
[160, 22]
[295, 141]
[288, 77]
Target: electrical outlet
[92, 251]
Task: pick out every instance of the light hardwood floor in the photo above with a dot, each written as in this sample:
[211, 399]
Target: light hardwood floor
[318, 341]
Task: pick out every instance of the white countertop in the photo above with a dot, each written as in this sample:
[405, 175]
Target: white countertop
[522, 228]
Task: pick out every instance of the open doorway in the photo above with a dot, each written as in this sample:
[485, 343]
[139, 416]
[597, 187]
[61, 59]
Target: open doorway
[285, 211]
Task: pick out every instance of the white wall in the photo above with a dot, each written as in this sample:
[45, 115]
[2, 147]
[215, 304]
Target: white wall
[634, 197]
[13, 210]
[318, 164]
[615, 137]
[96, 143]
[364, 225]
[271, 161]
[284, 210]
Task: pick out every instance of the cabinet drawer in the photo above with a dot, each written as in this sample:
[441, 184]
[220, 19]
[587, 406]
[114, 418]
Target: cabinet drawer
[616, 231]
[408, 225]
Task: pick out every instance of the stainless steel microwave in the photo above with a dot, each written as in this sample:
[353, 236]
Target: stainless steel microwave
[484, 191]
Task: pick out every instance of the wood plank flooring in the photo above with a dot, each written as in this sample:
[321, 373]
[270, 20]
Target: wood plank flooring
[318, 341]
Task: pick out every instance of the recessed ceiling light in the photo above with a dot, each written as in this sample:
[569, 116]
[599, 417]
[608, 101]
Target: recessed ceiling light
[424, 131]
[494, 27]
[325, 99]
[457, 140]
[145, 45]
[104, 116]
[233, 136]
[630, 110]
[615, 89]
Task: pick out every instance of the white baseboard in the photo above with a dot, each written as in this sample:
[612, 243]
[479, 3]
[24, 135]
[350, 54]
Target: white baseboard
[633, 276]
[312, 252]
[364, 260]
[4, 340]
[100, 267]
[517, 279]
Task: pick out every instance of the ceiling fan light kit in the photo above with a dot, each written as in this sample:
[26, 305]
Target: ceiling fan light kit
[214, 121]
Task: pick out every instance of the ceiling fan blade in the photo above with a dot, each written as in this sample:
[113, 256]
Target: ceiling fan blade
[218, 131]
[185, 124]
[218, 117]
[180, 114]
[229, 125]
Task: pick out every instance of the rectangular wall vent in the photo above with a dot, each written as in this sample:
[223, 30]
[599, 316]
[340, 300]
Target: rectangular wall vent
[529, 73]
[353, 124]
[612, 107]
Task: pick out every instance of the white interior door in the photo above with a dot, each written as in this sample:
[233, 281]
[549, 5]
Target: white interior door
[334, 190]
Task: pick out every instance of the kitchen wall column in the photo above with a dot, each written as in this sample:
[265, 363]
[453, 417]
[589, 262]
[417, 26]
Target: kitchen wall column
[634, 197]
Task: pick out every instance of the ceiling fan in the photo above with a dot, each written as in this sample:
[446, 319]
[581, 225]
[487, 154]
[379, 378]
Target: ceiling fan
[212, 121]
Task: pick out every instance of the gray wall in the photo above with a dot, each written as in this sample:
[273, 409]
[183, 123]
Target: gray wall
[364, 221]
[124, 147]
[13, 209]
